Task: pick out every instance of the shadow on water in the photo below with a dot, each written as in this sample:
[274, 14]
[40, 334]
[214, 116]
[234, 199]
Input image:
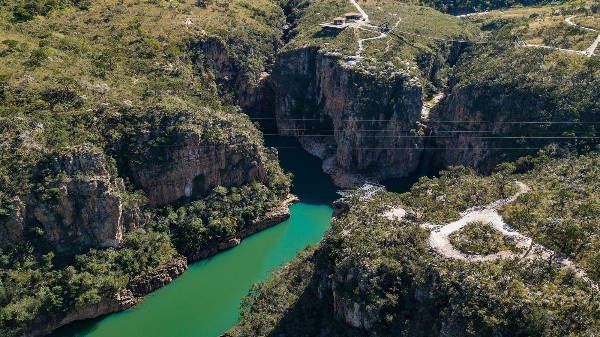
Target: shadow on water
[310, 183]
[315, 186]
[401, 185]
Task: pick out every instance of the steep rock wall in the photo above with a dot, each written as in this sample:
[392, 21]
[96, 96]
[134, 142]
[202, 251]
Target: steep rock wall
[467, 147]
[367, 121]
[506, 104]
[195, 166]
[79, 206]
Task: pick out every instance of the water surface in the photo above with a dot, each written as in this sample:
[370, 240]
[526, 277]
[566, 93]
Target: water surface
[204, 301]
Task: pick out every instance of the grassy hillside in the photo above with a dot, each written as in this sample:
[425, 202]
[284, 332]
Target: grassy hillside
[546, 25]
[406, 49]
[469, 6]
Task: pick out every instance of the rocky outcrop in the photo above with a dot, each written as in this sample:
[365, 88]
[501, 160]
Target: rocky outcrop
[158, 278]
[142, 285]
[84, 212]
[270, 219]
[340, 208]
[111, 303]
[369, 120]
[349, 311]
[499, 110]
[14, 224]
[238, 78]
[79, 206]
[195, 167]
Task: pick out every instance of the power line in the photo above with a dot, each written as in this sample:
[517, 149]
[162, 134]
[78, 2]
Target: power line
[416, 147]
[435, 121]
[472, 137]
[428, 148]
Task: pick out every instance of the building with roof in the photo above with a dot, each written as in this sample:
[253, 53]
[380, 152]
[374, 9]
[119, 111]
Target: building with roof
[337, 23]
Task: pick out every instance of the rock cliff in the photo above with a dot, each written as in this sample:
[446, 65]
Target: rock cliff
[465, 148]
[158, 278]
[498, 109]
[194, 167]
[79, 205]
[108, 304]
[361, 124]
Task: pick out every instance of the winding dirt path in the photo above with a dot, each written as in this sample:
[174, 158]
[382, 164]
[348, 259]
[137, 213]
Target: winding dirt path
[591, 51]
[570, 21]
[439, 239]
[472, 14]
[363, 24]
[440, 236]
[361, 42]
[362, 12]
[572, 51]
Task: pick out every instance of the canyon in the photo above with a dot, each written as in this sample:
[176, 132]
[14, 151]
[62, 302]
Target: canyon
[163, 154]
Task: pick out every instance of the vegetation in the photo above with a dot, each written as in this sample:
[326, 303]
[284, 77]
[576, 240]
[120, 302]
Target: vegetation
[553, 93]
[34, 285]
[469, 6]
[222, 214]
[440, 200]
[407, 52]
[374, 276]
[132, 80]
[546, 25]
[480, 238]
[562, 210]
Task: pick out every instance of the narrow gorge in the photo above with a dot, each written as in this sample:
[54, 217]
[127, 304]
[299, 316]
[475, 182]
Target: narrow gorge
[196, 146]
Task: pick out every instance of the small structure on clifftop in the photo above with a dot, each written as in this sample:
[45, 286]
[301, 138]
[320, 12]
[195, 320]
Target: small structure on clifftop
[337, 23]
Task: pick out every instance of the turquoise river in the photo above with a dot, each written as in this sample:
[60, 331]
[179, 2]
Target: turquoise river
[204, 301]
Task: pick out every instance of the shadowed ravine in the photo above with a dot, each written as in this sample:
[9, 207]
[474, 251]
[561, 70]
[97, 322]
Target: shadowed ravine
[204, 302]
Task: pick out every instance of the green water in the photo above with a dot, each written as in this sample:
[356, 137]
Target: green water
[204, 301]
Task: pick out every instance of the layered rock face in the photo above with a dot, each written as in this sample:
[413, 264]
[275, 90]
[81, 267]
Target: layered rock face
[195, 167]
[484, 126]
[505, 105]
[361, 124]
[79, 206]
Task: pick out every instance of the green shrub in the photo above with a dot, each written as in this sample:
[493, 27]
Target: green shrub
[481, 238]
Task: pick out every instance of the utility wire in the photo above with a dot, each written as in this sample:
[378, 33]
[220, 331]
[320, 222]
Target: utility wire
[438, 121]
[472, 137]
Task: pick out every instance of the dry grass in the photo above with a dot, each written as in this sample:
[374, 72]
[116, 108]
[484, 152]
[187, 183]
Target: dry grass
[543, 25]
[592, 21]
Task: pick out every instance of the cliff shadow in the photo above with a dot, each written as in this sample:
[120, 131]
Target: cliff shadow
[309, 183]
[312, 314]
[327, 33]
